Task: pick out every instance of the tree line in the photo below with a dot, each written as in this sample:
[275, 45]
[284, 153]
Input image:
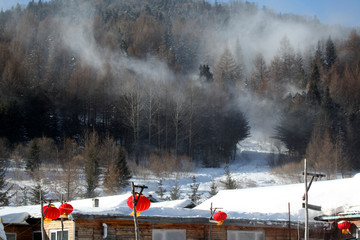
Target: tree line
[48, 91]
[322, 122]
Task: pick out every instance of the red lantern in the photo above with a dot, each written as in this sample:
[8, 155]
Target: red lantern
[65, 210]
[220, 217]
[142, 204]
[344, 226]
[50, 212]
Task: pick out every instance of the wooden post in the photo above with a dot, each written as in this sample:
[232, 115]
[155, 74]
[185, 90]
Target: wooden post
[137, 233]
[306, 234]
[210, 227]
[42, 218]
[62, 220]
[135, 201]
[289, 221]
[212, 212]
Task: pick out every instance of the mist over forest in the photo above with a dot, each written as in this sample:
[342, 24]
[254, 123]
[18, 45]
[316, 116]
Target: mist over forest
[90, 83]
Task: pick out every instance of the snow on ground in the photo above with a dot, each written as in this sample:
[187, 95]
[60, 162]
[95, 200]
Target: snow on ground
[250, 169]
[263, 195]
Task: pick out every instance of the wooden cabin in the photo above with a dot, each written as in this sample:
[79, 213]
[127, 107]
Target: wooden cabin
[350, 216]
[97, 226]
[21, 226]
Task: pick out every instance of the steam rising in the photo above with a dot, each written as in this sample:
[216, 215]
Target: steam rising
[260, 32]
[78, 35]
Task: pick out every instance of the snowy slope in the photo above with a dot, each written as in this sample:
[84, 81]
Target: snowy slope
[263, 195]
[250, 169]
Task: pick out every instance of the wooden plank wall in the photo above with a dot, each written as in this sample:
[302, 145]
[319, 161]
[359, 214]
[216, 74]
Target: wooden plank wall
[23, 232]
[124, 229]
[56, 225]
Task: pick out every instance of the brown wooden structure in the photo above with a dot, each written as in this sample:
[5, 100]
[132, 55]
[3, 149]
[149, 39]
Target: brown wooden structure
[29, 230]
[353, 218]
[90, 226]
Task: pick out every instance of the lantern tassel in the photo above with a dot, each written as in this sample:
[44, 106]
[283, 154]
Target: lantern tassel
[47, 220]
[137, 213]
[220, 222]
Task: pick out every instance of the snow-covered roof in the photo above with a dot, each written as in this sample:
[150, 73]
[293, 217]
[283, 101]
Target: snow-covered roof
[271, 203]
[261, 203]
[19, 216]
[111, 205]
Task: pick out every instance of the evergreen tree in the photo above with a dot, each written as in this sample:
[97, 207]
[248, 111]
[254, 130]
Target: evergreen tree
[227, 73]
[175, 191]
[33, 160]
[313, 95]
[259, 75]
[319, 53]
[161, 190]
[117, 175]
[327, 102]
[213, 189]
[124, 172]
[4, 193]
[24, 199]
[92, 170]
[299, 75]
[286, 61]
[295, 129]
[194, 196]
[35, 192]
[229, 182]
[330, 54]
[205, 72]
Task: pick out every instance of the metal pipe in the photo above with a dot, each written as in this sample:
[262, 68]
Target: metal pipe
[306, 237]
[105, 230]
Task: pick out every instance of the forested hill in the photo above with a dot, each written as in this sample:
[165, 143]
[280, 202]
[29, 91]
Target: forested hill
[181, 77]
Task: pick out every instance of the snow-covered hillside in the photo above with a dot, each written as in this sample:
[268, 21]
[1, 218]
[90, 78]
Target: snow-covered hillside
[249, 169]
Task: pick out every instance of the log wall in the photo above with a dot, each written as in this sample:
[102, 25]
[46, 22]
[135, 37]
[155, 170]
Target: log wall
[90, 227]
[124, 229]
[23, 231]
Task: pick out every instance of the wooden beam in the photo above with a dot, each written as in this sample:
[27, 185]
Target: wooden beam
[314, 174]
[313, 207]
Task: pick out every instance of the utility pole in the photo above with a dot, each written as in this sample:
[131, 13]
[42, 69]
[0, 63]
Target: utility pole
[306, 204]
[62, 220]
[289, 221]
[306, 234]
[212, 212]
[42, 217]
[135, 201]
[43, 214]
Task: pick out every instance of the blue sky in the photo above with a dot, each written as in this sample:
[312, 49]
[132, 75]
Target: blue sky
[333, 12]
[342, 12]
